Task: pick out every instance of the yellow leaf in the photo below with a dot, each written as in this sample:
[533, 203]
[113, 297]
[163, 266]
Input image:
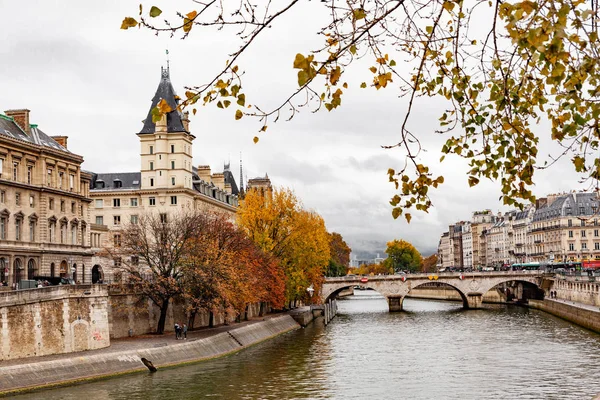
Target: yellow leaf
[264, 128]
[188, 21]
[373, 69]
[302, 78]
[408, 217]
[363, 85]
[129, 22]
[164, 107]
[300, 62]
[448, 5]
[241, 99]
[359, 13]
[255, 139]
[238, 114]
[335, 75]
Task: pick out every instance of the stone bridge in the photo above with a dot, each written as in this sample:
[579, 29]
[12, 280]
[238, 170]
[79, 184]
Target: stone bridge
[471, 286]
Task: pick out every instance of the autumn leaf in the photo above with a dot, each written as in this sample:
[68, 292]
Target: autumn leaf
[155, 11]
[238, 114]
[129, 22]
[164, 107]
[359, 14]
[188, 21]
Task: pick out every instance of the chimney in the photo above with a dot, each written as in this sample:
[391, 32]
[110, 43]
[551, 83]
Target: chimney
[204, 173]
[161, 125]
[62, 140]
[186, 121]
[21, 117]
[219, 180]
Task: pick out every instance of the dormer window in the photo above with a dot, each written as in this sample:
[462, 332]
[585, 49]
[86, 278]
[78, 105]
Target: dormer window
[99, 184]
[117, 183]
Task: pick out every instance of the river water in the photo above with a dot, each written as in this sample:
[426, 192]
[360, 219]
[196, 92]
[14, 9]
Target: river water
[434, 350]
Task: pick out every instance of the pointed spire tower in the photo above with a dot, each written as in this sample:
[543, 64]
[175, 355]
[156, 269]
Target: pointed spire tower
[241, 177]
[166, 146]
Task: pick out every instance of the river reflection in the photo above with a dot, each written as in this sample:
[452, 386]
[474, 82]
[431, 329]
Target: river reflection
[434, 350]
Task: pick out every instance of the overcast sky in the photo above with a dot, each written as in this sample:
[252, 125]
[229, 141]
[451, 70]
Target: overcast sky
[81, 76]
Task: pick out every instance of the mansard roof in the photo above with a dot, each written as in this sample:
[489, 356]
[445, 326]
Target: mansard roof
[8, 127]
[569, 204]
[165, 91]
[128, 180]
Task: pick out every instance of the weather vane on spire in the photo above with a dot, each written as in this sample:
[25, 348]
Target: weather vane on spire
[167, 52]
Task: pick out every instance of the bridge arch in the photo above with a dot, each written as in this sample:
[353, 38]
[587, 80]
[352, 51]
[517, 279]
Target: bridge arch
[464, 297]
[532, 290]
[333, 294]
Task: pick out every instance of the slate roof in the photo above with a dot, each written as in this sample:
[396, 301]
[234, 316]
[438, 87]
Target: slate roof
[231, 180]
[570, 204]
[10, 128]
[165, 91]
[129, 180]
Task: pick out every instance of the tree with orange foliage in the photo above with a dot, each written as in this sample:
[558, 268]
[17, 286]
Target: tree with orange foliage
[340, 255]
[430, 263]
[295, 237]
[372, 269]
[226, 271]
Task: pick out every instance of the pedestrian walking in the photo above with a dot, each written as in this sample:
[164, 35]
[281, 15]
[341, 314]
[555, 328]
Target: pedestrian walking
[184, 332]
[176, 331]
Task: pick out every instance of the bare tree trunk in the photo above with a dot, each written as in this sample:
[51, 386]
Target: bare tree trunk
[211, 319]
[261, 312]
[192, 319]
[160, 329]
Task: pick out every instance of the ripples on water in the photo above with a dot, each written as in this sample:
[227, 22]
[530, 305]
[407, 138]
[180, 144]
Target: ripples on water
[435, 350]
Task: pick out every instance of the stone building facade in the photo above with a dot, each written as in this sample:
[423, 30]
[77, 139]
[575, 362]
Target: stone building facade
[565, 228]
[44, 204]
[561, 228]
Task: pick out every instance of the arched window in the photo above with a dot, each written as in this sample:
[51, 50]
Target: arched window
[97, 274]
[31, 272]
[74, 271]
[52, 270]
[3, 271]
[17, 267]
[63, 269]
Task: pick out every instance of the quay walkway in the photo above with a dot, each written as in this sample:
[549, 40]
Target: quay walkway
[125, 355]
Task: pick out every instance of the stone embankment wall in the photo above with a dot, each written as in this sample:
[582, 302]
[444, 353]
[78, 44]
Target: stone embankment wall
[443, 292]
[48, 373]
[53, 320]
[581, 316]
[578, 289]
[131, 315]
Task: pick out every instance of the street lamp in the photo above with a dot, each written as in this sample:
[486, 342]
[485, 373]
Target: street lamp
[310, 290]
